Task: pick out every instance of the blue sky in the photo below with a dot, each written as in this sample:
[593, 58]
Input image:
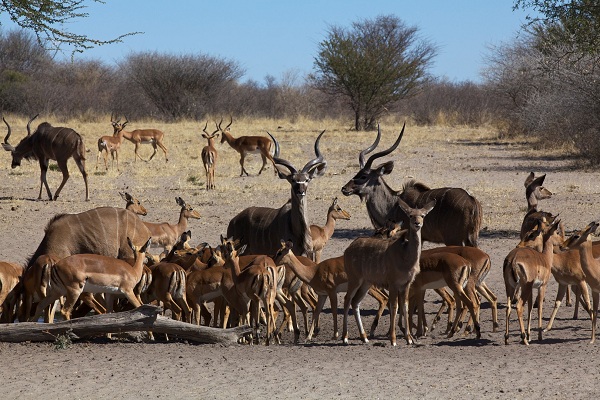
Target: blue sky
[278, 37]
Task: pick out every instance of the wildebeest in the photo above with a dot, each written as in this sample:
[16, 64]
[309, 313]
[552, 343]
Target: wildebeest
[455, 220]
[49, 143]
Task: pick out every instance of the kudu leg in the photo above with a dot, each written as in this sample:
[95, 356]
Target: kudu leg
[43, 181]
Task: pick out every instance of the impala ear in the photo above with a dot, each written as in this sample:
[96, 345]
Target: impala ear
[147, 245]
[242, 249]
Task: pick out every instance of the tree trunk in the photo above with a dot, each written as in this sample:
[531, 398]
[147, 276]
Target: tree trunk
[143, 318]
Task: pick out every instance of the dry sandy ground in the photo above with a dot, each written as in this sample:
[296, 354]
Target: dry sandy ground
[563, 365]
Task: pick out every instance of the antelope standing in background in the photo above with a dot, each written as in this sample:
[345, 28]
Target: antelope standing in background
[261, 228]
[534, 191]
[247, 144]
[321, 235]
[140, 136]
[456, 219]
[209, 156]
[49, 143]
[110, 144]
[389, 263]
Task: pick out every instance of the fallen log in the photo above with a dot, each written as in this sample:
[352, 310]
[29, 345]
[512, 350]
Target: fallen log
[143, 318]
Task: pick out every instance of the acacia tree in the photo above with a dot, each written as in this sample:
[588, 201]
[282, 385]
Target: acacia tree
[46, 19]
[372, 64]
[574, 22]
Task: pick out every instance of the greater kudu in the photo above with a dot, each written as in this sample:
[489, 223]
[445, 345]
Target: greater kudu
[102, 230]
[49, 143]
[455, 220]
[261, 228]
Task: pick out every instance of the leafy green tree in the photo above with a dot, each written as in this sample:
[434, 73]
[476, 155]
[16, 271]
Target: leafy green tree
[572, 22]
[47, 18]
[372, 64]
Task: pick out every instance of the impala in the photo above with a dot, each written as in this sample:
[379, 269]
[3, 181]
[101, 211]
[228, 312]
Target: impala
[390, 263]
[49, 143]
[456, 219]
[169, 286]
[110, 144]
[327, 278]
[94, 273]
[582, 240]
[440, 269]
[133, 204]
[209, 156]
[321, 235]
[261, 228]
[10, 288]
[526, 269]
[256, 284]
[534, 191]
[166, 235]
[140, 136]
[247, 144]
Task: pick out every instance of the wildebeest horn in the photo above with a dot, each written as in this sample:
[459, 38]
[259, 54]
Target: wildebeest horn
[385, 152]
[361, 156]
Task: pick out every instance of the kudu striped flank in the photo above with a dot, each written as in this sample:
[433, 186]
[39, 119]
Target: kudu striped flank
[102, 230]
[45, 144]
[455, 220]
[261, 228]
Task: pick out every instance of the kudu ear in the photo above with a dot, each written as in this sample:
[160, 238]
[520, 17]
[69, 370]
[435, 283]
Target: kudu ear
[428, 207]
[282, 172]
[385, 168]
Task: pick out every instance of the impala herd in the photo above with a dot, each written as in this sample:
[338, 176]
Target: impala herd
[269, 262]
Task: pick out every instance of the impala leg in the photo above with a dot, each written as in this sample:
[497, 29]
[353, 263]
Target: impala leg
[525, 297]
[508, 309]
[314, 326]
[382, 300]
[582, 291]
[43, 181]
[242, 157]
[41, 306]
[163, 148]
[485, 291]
[568, 301]
[595, 299]
[264, 164]
[562, 290]
[541, 295]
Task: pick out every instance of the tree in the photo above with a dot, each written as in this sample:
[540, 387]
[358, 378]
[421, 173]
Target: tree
[575, 22]
[372, 65]
[181, 86]
[46, 19]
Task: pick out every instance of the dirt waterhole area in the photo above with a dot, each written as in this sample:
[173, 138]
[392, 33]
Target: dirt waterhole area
[562, 365]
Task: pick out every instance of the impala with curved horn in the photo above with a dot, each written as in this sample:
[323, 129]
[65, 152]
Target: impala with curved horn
[455, 220]
[45, 144]
[261, 228]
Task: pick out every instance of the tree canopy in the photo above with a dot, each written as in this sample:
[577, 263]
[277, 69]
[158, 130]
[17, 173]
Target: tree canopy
[46, 19]
[571, 22]
[372, 64]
